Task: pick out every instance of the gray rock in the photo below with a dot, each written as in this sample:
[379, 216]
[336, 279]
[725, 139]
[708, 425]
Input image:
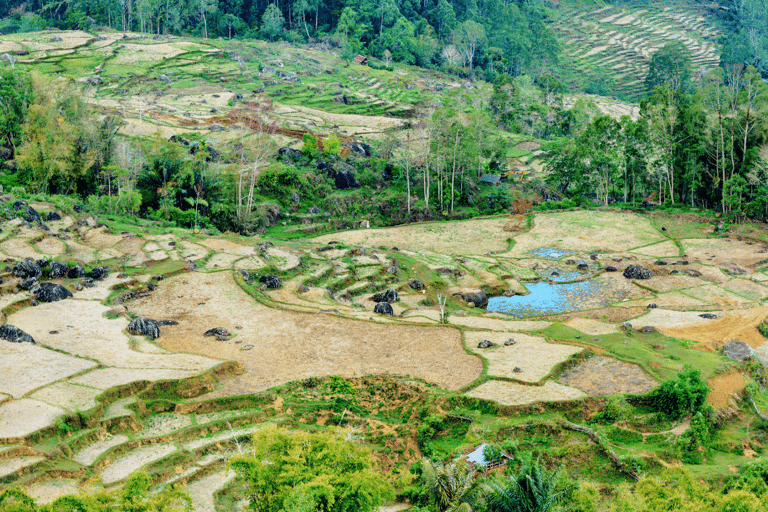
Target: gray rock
[478, 298]
[76, 272]
[271, 281]
[28, 283]
[26, 269]
[216, 331]
[52, 292]
[142, 326]
[416, 284]
[738, 350]
[78, 287]
[384, 308]
[94, 80]
[389, 296]
[486, 344]
[13, 334]
[510, 341]
[708, 316]
[582, 266]
[164, 78]
[290, 153]
[648, 329]
[637, 272]
[651, 306]
[611, 268]
[245, 274]
[99, 273]
[58, 270]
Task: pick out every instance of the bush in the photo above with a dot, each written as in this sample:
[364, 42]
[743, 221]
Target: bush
[615, 409]
[682, 396]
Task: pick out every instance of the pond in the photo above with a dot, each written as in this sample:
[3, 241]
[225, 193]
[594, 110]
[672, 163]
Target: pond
[550, 253]
[551, 299]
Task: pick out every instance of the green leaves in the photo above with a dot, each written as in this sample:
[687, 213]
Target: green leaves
[682, 396]
[291, 470]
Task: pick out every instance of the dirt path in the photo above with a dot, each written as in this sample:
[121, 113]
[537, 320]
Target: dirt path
[288, 346]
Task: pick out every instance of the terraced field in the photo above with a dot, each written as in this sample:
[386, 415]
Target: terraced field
[89, 400]
[617, 41]
[171, 85]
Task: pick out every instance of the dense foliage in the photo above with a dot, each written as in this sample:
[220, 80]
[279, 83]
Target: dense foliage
[326, 472]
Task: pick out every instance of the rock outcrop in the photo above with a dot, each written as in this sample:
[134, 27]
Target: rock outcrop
[142, 326]
[13, 334]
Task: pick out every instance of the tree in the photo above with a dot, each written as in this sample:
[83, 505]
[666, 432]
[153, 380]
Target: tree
[329, 467]
[448, 486]
[671, 66]
[272, 21]
[532, 488]
[15, 97]
[204, 8]
[470, 38]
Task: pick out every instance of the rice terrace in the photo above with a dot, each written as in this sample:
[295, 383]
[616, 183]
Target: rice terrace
[453, 245]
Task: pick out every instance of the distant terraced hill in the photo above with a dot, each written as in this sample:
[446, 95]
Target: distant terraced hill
[615, 43]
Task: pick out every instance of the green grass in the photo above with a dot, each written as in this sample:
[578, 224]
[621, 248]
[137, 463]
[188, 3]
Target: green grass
[669, 353]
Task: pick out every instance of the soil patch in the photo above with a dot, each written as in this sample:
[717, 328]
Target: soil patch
[532, 355]
[287, 345]
[735, 325]
[602, 376]
[510, 393]
[723, 386]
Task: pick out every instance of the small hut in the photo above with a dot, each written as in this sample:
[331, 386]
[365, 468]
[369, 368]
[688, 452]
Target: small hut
[363, 61]
[477, 459]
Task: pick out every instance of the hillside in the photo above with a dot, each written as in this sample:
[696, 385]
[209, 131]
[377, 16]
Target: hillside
[109, 403]
[608, 47]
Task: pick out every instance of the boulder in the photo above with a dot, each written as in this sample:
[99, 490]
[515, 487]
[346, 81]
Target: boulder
[216, 331]
[14, 334]
[43, 263]
[416, 284]
[708, 316]
[244, 273]
[486, 344]
[648, 329]
[692, 273]
[611, 268]
[52, 292]
[27, 268]
[76, 272]
[142, 326]
[99, 273]
[18, 205]
[33, 216]
[478, 298]
[290, 153]
[383, 308]
[94, 80]
[389, 296]
[582, 266]
[651, 306]
[341, 173]
[28, 283]
[510, 341]
[271, 281]
[164, 78]
[360, 149]
[637, 272]
[58, 270]
[738, 350]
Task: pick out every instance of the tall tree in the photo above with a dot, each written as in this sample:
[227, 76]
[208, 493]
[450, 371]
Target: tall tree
[671, 66]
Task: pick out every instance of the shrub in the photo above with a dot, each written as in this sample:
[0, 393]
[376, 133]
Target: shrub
[679, 397]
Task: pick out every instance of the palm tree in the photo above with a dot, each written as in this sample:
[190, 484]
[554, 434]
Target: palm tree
[531, 489]
[450, 485]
